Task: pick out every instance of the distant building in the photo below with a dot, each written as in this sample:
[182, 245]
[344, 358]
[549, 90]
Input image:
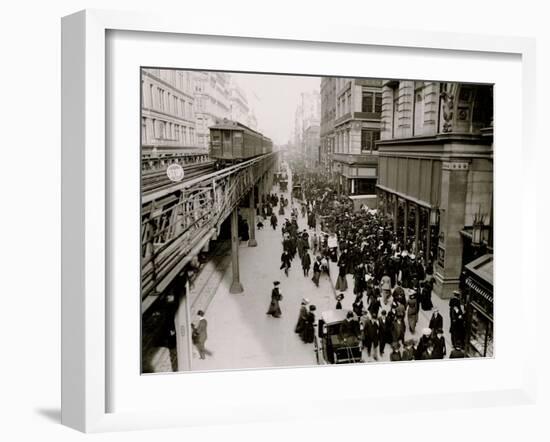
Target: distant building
[240, 110]
[436, 172]
[212, 102]
[307, 115]
[167, 110]
[328, 114]
[352, 110]
[312, 142]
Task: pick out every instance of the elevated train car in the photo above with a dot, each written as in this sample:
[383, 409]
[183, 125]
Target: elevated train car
[232, 142]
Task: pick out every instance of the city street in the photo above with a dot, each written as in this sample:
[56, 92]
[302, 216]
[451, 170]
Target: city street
[241, 335]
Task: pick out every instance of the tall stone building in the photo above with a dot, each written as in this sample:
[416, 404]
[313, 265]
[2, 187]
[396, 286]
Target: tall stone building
[239, 105]
[328, 115]
[307, 117]
[167, 110]
[436, 171]
[212, 102]
[351, 110]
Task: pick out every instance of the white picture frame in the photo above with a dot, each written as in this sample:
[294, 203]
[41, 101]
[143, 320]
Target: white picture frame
[86, 316]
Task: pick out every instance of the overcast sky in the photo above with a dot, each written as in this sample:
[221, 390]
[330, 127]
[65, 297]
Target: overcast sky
[274, 99]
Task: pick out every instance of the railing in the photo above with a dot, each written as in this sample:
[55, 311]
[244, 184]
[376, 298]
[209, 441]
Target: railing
[153, 163]
[176, 220]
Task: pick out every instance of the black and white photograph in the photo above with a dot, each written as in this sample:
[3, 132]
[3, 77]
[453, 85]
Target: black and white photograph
[291, 221]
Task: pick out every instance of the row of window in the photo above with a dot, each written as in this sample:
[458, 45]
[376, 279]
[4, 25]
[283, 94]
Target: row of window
[157, 98]
[371, 102]
[181, 80]
[162, 130]
[369, 137]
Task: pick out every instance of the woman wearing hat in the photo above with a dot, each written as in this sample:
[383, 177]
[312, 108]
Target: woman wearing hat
[423, 343]
[308, 331]
[302, 316]
[274, 307]
[339, 300]
[412, 312]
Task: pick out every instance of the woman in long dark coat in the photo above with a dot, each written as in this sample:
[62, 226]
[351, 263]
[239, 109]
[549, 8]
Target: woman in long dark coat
[426, 297]
[306, 263]
[274, 307]
[308, 332]
[341, 282]
[302, 317]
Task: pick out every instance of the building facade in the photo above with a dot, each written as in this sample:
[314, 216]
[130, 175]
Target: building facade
[328, 114]
[312, 142]
[167, 110]
[306, 117]
[239, 105]
[436, 171]
[212, 102]
[351, 110]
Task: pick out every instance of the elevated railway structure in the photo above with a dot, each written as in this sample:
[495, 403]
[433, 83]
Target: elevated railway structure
[178, 220]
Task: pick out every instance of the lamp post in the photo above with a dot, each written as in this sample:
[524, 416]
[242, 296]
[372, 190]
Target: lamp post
[477, 233]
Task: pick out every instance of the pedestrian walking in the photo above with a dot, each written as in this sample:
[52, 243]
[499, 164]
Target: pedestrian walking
[457, 326]
[273, 221]
[199, 335]
[308, 332]
[274, 307]
[408, 351]
[440, 349]
[341, 281]
[436, 321]
[285, 261]
[426, 296]
[371, 336]
[423, 343]
[302, 316]
[412, 312]
[358, 306]
[306, 263]
[384, 331]
[395, 355]
[385, 287]
[316, 271]
[398, 330]
[339, 300]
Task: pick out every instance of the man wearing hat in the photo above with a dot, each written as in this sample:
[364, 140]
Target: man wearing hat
[371, 336]
[395, 355]
[384, 331]
[440, 349]
[408, 351]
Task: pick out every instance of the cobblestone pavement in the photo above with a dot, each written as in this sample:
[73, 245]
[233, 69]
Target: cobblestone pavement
[241, 335]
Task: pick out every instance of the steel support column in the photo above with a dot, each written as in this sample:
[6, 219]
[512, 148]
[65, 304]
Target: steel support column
[182, 325]
[236, 286]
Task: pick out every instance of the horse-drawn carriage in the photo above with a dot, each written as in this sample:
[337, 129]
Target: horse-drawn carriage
[338, 338]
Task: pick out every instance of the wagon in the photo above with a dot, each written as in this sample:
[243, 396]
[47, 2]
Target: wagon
[330, 346]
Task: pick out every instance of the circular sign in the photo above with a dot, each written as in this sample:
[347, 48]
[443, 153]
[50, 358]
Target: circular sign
[175, 172]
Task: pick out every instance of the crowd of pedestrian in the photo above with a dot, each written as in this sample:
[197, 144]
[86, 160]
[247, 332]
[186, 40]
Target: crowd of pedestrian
[392, 282]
